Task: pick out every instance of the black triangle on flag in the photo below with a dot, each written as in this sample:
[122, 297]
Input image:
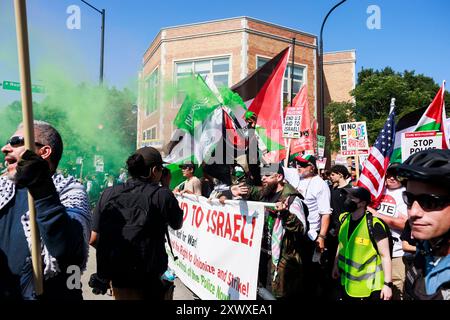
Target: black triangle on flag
[249, 87]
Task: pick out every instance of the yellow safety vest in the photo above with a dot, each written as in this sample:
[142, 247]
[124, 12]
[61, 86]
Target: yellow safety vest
[359, 264]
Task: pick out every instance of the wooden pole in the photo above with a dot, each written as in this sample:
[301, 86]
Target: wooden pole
[27, 113]
[357, 164]
[288, 151]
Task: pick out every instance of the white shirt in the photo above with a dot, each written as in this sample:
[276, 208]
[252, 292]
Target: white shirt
[392, 205]
[317, 197]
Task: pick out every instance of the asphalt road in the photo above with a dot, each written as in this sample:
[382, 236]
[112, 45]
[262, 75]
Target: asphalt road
[180, 292]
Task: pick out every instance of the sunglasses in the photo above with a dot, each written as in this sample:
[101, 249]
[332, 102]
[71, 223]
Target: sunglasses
[18, 141]
[428, 202]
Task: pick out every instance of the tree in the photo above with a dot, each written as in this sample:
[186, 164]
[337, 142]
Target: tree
[373, 93]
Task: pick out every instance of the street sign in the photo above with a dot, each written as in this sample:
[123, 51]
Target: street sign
[12, 85]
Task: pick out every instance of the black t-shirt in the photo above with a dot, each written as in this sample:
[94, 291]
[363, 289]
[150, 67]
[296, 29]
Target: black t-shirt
[337, 203]
[163, 199]
[378, 232]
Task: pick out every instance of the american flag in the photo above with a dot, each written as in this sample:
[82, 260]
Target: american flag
[374, 171]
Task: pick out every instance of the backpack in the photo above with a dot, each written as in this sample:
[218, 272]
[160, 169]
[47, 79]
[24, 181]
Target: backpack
[131, 236]
[370, 226]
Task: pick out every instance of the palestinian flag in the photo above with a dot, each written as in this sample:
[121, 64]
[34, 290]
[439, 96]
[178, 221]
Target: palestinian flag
[262, 92]
[430, 119]
[199, 127]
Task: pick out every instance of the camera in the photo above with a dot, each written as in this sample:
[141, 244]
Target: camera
[98, 285]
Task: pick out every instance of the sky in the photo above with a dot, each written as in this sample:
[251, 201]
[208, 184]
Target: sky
[411, 34]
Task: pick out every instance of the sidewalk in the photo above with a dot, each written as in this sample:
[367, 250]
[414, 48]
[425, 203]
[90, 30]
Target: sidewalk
[181, 292]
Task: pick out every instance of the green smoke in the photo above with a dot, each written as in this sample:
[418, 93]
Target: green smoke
[91, 119]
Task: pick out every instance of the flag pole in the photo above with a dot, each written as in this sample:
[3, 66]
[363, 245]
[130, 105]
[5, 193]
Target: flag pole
[27, 112]
[288, 151]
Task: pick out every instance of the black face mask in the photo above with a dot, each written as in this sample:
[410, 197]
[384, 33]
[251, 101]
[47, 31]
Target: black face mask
[350, 205]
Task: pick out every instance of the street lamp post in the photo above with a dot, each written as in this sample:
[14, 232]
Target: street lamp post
[102, 43]
[321, 113]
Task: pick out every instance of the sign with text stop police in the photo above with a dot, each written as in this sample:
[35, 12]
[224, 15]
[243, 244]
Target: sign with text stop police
[413, 142]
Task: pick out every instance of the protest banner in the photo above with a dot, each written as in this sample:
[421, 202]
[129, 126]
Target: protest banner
[413, 142]
[218, 247]
[353, 136]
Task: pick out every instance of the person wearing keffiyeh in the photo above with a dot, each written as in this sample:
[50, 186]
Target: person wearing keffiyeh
[62, 216]
[285, 227]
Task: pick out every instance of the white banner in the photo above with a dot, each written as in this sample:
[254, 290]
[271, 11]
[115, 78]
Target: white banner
[218, 247]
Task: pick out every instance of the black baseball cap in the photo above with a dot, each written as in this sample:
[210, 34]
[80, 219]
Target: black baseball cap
[358, 192]
[187, 165]
[152, 157]
[269, 169]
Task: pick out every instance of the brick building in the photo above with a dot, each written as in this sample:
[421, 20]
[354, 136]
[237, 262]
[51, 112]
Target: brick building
[228, 50]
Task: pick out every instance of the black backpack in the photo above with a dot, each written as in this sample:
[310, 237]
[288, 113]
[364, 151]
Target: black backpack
[370, 226]
[131, 236]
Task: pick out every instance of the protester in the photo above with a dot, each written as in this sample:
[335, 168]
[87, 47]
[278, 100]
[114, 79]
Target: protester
[255, 149]
[192, 184]
[338, 177]
[353, 177]
[166, 178]
[392, 210]
[62, 216]
[427, 196]
[285, 227]
[316, 195]
[131, 220]
[363, 259]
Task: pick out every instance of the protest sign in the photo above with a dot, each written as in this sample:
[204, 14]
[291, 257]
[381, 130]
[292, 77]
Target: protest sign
[413, 142]
[291, 126]
[353, 136]
[218, 247]
[320, 145]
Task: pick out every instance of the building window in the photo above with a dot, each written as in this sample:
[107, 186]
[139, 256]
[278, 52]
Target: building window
[150, 134]
[151, 93]
[218, 69]
[298, 78]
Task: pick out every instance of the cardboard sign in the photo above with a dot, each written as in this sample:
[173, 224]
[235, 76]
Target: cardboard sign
[413, 142]
[320, 145]
[321, 162]
[291, 126]
[353, 136]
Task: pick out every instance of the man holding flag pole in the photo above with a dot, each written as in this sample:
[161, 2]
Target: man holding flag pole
[45, 238]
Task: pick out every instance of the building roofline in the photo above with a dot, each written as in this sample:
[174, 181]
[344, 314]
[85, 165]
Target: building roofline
[340, 51]
[227, 19]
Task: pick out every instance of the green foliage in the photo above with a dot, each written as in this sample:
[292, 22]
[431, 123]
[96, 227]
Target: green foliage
[373, 94]
[338, 112]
